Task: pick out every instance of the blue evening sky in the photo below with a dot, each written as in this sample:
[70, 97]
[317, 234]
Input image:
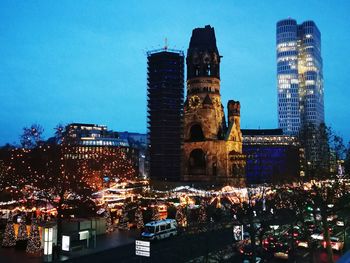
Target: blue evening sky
[84, 61]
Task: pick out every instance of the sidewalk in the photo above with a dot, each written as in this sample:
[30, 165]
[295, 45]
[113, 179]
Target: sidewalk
[103, 242]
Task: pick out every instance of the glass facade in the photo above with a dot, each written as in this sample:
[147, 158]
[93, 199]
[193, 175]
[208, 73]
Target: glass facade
[271, 156]
[299, 75]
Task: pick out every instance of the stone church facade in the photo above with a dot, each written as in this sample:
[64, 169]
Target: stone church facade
[212, 145]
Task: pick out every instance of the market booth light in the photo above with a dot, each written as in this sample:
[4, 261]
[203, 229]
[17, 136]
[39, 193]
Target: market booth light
[48, 242]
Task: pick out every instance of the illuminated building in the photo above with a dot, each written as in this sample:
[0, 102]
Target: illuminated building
[271, 156]
[84, 141]
[212, 149]
[165, 92]
[299, 75]
[92, 135]
[80, 131]
[138, 141]
[300, 84]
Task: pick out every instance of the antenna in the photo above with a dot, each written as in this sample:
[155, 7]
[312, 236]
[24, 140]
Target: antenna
[166, 43]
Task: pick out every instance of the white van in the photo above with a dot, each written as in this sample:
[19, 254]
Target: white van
[161, 229]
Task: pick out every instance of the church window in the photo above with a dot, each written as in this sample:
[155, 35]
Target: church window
[196, 133]
[197, 162]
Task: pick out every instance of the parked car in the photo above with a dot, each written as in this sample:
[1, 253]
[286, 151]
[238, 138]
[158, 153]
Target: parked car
[270, 243]
[331, 217]
[282, 252]
[340, 222]
[310, 225]
[336, 243]
[294, 232]
[246, 251]
[317, 235]
[257, 260]
[302, 242]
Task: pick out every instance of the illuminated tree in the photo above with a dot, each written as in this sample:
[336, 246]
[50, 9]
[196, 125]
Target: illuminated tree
[155, 213]
[109, 225]
[9, 239]
[3, 175]
[22, 231]
[337, 145]
[180, 216]
[108, 162]
[60, 173]
[139, 218]
[34, 242]
[31, 136]
[123, 221]
[202, 214]
[59, 134]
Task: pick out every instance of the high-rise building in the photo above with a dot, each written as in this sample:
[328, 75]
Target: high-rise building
[299, 75]
[300, 87]
[212, 149]
[165, 113]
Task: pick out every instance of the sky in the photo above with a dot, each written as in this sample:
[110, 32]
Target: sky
[85, 61]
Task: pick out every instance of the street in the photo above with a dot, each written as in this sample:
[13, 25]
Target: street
[178, 249]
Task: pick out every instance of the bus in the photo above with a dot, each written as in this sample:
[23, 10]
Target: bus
[161, 229]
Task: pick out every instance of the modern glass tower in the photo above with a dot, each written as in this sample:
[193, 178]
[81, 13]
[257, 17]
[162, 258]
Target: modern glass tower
[299, 75]
[165, 94]
[300, 88]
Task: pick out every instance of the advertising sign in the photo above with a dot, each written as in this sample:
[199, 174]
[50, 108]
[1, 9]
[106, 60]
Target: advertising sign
[238, 232]
[65, 243]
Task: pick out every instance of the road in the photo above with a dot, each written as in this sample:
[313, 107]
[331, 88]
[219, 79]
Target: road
[178, 249]
[185, 248]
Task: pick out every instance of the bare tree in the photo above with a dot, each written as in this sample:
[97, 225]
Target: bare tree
[31, 136]
[347, 159]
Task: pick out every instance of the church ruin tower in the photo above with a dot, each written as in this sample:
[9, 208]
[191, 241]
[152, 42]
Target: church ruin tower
[212, 148]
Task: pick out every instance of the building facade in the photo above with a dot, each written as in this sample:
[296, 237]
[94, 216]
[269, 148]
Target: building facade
[89, 135]
[299, 75]
[300, 85]
[165, 94]
[271, 156]
[212, 149]
[84, 141]
[138, 141]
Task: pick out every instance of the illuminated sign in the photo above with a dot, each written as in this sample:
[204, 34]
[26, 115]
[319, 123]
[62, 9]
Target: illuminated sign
[83, 235]
[65, 243]
[238, 232]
